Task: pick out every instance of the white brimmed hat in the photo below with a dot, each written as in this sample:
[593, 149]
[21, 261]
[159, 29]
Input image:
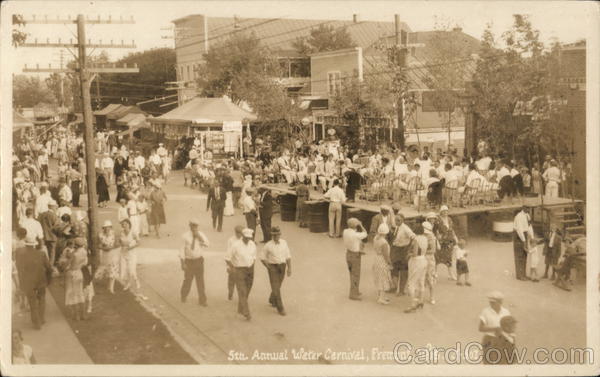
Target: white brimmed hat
[443, 208]
[247, 233]
[427, 225]
[107, 223]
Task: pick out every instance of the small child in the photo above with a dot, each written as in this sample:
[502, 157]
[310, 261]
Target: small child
[504, 343]
[123, 214]
[462, 267]
[88, 287]
[534, 259]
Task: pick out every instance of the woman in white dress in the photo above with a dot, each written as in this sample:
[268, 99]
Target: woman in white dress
[109, 259]
[381, 264]
[417, 271]
[128, 241]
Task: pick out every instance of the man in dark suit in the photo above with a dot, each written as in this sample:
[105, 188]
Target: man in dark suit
[35, 273]
[265, 208]
[216, 203]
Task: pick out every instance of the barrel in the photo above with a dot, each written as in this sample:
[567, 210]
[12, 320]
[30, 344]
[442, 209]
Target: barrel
[318, 221]
[288, 207]
[502, 226]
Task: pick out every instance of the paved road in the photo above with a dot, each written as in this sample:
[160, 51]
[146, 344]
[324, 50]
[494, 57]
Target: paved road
[320, 316]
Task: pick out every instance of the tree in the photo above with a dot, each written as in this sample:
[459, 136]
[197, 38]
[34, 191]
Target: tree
[18, 36]
[245, 71]
[61, 87]
[29, 91]
[323, 38]
[447, 80]
[516, 94]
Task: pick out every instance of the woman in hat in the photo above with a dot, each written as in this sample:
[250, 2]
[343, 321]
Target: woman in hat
[430, 275]
[101, 188]
[303, 194]
[382, 264]
[444, 227]
[128, 241]
[157, 199]
[109, 259]
[74, 297]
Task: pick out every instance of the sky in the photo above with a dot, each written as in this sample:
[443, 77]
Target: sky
[565, 21]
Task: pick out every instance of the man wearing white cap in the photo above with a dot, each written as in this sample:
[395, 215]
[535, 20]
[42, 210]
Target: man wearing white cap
[353, 236]
[489, 320]
[192, 261]
[35, 273]
[240, 258]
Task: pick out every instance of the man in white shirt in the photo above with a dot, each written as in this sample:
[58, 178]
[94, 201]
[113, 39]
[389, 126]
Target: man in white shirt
[161, 151]
[139, 161]
[65, 194]
[249, 210]
[241, 259]
[43, 163]
[353, 236]
[552, 177]
[107, 164]
[41, 202]
[336, 197]
[33, 227]
[237, 236]
[489, 321]
[401, 241]
[192, 261]
[276, 257]
[285, 168]
[522, 234]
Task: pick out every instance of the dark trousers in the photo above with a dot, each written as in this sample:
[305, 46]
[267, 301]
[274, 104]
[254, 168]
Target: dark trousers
[276, 276]
[244, 277]
[520, 256]
[75, 189]
[350, 192]
[194, 268]
[217, 217]
[251, 222]
[51, 246]
[398, 257]
[230, 283]
[37, 304]
[265, 225]
[43, 172]
[353, 261]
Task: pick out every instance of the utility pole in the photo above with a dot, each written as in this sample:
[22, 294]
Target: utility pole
[98, 102]
[86, 76]
[401, 42]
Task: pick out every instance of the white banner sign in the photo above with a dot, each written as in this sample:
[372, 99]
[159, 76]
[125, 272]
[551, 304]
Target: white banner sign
[235, 125]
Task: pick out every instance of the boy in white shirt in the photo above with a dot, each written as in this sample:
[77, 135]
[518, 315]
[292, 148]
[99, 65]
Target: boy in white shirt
[462, 268]
[122, 213]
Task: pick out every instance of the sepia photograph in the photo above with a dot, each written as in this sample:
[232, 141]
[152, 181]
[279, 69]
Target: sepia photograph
[299, 188]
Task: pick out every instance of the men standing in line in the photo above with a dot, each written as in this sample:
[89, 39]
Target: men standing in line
[35, 273]
[230, 270]
[249, 210]
[353, 236]
[401, 240]
[241, 259]
[265, 209]
[216, 203]
[276, 257]
[522, 232]
[336, 197]
[192, 261]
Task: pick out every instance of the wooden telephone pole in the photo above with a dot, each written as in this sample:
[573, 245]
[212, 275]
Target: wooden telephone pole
[401, 43]
[86, 76]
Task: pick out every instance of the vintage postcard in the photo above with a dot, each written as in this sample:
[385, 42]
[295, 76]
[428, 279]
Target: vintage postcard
[299, 188]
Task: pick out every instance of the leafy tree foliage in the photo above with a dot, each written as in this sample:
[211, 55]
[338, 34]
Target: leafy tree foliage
[18, 36]
[28, 91]
[323, 38]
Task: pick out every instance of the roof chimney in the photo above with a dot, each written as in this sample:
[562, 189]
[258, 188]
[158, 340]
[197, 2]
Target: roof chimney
[355, 17]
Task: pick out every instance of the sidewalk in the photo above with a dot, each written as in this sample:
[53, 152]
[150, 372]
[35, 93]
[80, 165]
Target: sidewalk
[45, 341]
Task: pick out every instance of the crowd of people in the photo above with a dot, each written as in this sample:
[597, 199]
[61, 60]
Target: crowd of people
[52, 234]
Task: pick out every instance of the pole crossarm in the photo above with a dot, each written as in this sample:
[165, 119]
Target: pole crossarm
[97, 21]
[75, 45]
[91, 70]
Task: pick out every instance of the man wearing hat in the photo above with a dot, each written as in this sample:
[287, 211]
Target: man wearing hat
[402, 238]
[108, 165]
[192, 261]
[353, 181]
[353, 236]
[43, 163]
[240, 258]
[49, 220]
[489, 320]
[230, 271]
[41, 202]
[384, 216]
[250, 211]
[522, 233]
[35, 274]
[276, 257]
[216, 202]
